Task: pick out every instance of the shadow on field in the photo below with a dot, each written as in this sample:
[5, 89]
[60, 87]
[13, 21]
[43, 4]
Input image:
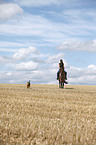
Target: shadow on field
[69, 88]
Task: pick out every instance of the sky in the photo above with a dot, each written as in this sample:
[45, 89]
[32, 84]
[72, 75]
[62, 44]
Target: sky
[36, 34]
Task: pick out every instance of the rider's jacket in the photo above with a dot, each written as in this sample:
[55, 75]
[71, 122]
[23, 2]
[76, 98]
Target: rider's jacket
[61, 65]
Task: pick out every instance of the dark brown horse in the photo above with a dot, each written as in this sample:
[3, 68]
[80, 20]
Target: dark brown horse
[61, 78]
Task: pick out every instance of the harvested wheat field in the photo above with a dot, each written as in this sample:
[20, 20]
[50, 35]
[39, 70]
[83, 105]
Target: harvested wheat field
[47, 115]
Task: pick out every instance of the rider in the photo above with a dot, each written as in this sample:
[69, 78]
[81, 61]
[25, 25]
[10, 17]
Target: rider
[61, 65]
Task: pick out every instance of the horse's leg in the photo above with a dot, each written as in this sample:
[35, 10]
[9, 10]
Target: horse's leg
[62, 85]
[59, 83]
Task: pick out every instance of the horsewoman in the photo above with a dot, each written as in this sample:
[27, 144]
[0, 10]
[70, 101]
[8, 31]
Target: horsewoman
[61, 66]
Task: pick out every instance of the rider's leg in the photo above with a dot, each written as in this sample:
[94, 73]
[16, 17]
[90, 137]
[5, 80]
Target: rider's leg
[58, 73]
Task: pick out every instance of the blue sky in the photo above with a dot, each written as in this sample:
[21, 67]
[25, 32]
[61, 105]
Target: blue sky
[35, 35]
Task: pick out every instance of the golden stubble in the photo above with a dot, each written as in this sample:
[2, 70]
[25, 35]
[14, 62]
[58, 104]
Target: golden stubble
[47, 115]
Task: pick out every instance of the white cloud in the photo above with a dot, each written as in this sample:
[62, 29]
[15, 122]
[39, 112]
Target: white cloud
[5, 59]
[8, 10]
[75, 72]
[38, 76]
[30, 25]
[9, 74]
[83, 80]
[7, 50]
[78, 45]
[82, 75]
[77, 14]
[48, 30]
[5, 44]
[92, 67]
[24, 53]
[26, 66]
[54, 66]
[55, 58]
[36, 3]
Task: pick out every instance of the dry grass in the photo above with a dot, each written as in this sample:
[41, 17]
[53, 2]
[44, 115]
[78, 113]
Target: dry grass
[47, 115]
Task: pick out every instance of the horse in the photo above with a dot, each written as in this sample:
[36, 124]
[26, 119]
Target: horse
[61, 78]
[28, 84]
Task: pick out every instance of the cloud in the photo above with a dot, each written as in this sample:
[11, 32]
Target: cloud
[71, 24]
[83, 80]
[8, 10]
[92, 67]
[35, 3]
[19, 55]
[5, 59]
[24, 53]
[9, 44]
[77, 14]
[37, 76]
[82, 75]
[77, 72]
[7, 50]
[26, 66]
[55, 58]
[33, 26]
[79, 45]
[28, 25]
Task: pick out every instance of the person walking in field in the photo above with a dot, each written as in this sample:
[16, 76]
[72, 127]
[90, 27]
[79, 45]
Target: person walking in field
[61, 66]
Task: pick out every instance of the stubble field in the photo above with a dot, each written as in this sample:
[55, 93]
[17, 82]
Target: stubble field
[47, 115]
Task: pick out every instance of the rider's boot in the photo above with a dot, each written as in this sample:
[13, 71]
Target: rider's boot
[65, 82]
